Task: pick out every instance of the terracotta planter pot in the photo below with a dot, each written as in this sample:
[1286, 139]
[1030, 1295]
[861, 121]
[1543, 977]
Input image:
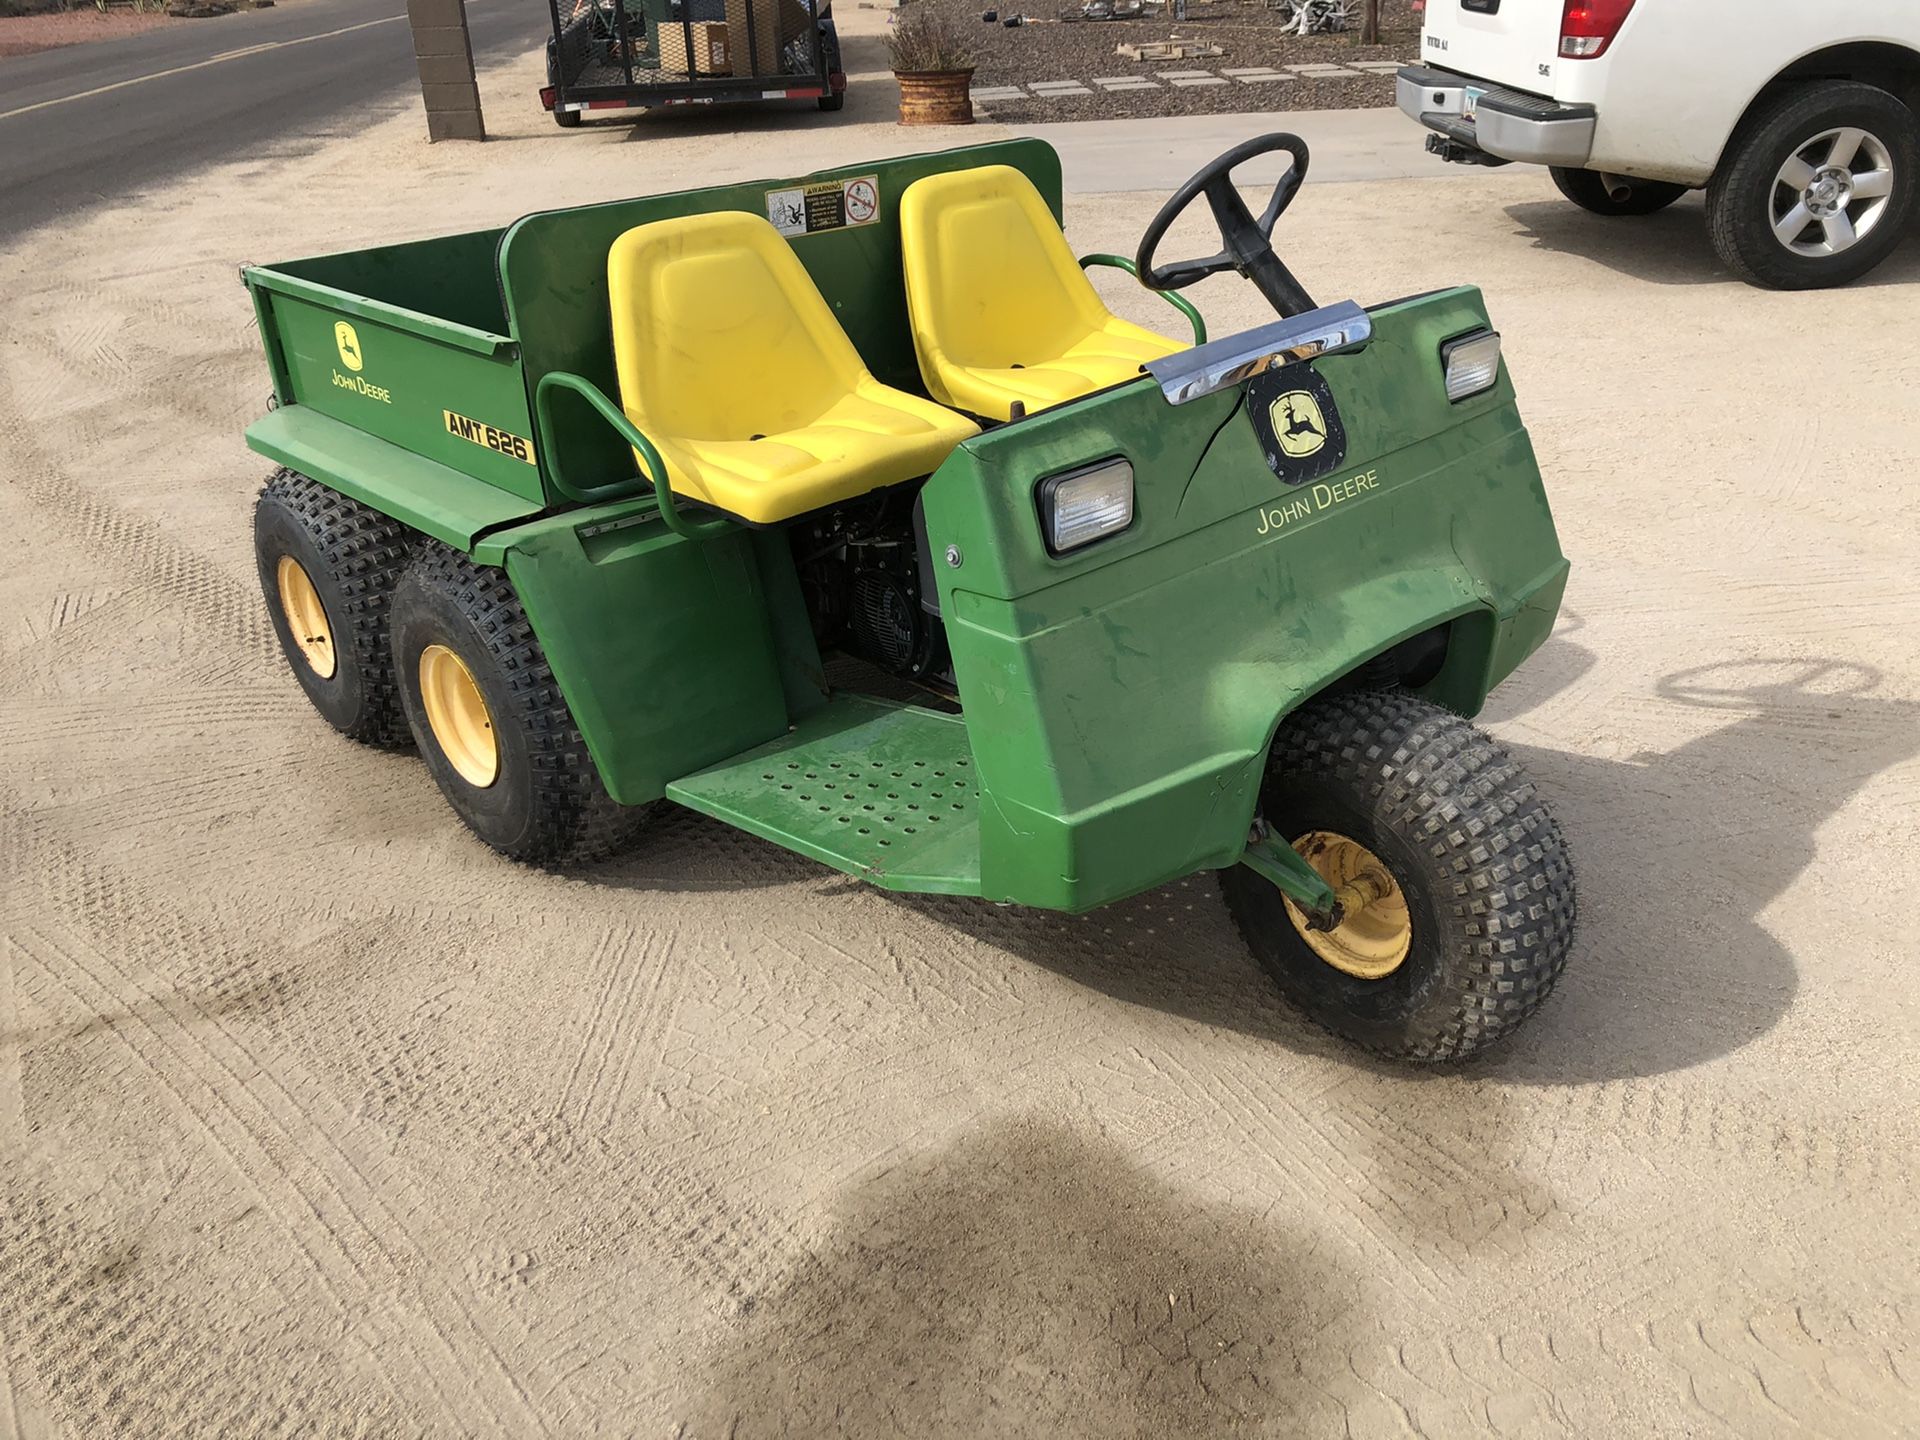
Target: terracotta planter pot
[935, 97]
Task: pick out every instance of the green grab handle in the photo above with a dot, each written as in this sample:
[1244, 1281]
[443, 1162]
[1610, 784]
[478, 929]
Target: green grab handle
[1179, 302]
[628, 431]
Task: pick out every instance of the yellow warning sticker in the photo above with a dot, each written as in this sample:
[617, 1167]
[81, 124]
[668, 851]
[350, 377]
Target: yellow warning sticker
[516, 447]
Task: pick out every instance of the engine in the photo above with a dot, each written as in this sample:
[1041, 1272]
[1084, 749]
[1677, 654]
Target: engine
[866, 576]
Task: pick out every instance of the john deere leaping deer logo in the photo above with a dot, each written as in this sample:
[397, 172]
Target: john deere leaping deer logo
[1296, 422]
[1298, 426]
[348, 344]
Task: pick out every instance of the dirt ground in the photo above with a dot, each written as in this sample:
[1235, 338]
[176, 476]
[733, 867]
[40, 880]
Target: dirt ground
[319, 1119]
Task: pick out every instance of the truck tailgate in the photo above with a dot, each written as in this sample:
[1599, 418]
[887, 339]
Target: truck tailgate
[1509, 42]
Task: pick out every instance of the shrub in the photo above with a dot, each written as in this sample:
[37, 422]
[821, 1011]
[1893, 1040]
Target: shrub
[923, 39]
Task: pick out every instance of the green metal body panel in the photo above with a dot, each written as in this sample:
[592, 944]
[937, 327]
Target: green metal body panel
[879, 790]
[449, 277]
[1119, 702]
[434, 498]
[664, 647]
[1122, 700]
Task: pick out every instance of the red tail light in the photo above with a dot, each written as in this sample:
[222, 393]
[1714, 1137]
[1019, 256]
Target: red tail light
[1587, 27]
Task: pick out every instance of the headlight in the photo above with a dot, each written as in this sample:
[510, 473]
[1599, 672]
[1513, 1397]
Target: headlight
[1082, 505]
[1472, 363]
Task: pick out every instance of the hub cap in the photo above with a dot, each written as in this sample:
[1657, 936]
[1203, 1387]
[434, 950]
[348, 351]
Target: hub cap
[457, 715]
[1375, 931]
[1832, 192]
[306, 617]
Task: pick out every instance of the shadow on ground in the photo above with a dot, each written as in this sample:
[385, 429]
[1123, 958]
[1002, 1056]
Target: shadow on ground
[1678, 854]
[1670, 248]
[1035, 1276]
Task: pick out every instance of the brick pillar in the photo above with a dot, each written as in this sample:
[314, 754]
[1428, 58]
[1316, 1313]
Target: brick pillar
[445, 57]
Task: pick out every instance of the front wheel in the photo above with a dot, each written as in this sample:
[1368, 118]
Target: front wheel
[1589, 191]
[1816, 187]
[490, 720]
[1459, 896]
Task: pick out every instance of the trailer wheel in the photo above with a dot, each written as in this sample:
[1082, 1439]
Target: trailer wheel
[1461, 891]
[1816, 187]
[490, 720]
[328, 566]
[1586, 189]
[830, 53]
[565, 119]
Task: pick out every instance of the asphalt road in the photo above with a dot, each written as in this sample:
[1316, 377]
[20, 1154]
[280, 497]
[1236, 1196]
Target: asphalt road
[86, 123]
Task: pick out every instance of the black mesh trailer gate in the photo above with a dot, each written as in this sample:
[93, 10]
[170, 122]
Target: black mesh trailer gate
[620, 54]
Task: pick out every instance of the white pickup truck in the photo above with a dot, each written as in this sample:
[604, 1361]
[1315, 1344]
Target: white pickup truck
[1798, 117]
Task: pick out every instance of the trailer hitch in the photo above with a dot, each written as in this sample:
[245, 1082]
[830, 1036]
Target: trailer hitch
[1281, 866]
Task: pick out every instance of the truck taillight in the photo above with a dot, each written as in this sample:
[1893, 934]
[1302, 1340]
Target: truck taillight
[1587, 27]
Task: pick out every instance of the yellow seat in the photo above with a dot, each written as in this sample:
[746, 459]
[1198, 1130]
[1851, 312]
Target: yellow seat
[731, 363]
[1001, 311]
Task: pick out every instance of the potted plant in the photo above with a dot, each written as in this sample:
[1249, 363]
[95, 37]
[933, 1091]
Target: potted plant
[934, 68]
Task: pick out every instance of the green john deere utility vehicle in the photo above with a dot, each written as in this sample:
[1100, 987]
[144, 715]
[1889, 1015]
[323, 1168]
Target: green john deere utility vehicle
[584, 507]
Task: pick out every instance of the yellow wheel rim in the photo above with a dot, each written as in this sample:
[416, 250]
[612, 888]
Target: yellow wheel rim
[306, 617]
[457, 715]
[1375, 931]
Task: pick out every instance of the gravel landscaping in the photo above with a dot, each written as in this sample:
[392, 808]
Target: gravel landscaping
[1051, 68]
[26, 34]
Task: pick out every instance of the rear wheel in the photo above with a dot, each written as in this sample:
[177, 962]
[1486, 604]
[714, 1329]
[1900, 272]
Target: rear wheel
[1589, 191]
[1816, 187]
[490, 720]
[1458, 894]
[328, 566]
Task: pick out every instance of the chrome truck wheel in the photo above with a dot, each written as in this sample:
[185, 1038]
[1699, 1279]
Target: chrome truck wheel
[1816, 186]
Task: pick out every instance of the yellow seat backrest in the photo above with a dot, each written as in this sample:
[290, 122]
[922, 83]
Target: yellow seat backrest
[991, 281]
[719, 332]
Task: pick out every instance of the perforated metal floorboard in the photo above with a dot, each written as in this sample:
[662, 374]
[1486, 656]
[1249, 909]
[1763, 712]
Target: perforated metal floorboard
[883, 791]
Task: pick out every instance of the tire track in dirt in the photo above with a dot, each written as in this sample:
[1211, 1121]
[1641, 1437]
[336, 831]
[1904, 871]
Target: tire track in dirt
[63, 609]
[230, 611]
[13, 1155]
[131, 395]
[625, 1018]
[257, 1101]
[236, 1144]
[101, 1342]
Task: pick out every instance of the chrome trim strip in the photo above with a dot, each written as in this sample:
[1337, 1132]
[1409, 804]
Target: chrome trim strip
[1189, 374]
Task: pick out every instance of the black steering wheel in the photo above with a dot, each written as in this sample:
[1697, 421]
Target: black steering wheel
[1249, 241]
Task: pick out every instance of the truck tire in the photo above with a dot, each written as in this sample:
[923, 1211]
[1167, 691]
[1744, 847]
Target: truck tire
[490, 720]
[1786, 210]
[566, 119]
[328, 566]
[1472, 896]
[1586, 189]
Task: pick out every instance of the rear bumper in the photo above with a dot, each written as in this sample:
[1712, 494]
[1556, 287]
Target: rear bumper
[1508, 124]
